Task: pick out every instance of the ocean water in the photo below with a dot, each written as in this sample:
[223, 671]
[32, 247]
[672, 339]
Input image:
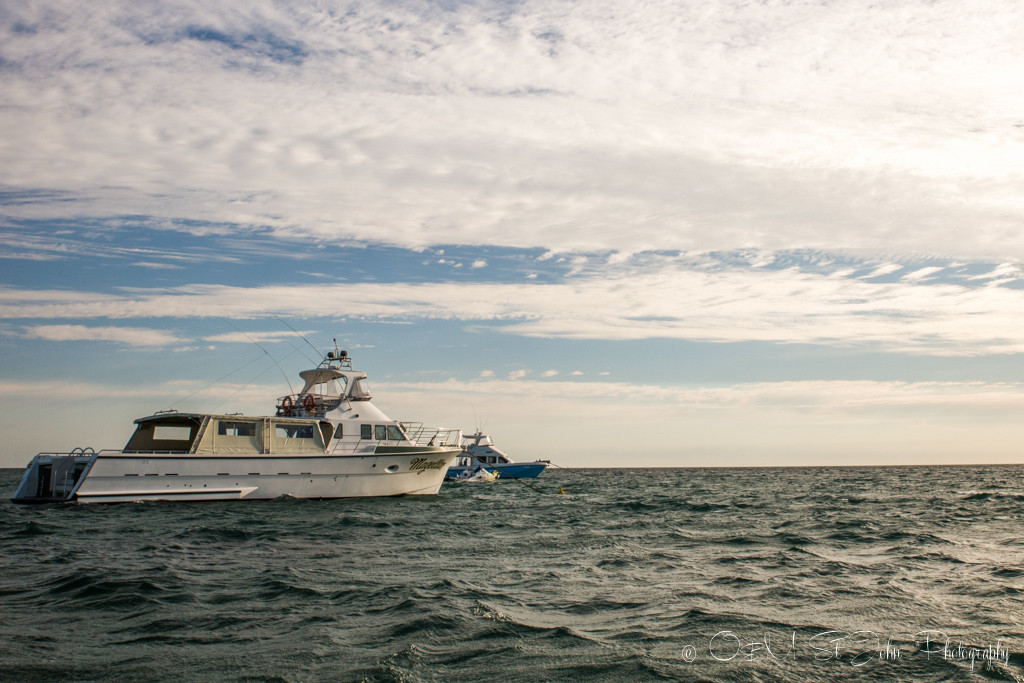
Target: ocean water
[861, 574]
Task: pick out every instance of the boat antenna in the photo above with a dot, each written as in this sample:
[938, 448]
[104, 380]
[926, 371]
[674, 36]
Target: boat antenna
[285, 323]
[290, 388]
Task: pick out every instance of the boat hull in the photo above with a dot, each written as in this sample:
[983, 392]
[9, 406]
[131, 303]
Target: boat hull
[114, 476]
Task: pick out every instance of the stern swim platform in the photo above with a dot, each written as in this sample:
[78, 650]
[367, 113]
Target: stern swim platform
[54, 477]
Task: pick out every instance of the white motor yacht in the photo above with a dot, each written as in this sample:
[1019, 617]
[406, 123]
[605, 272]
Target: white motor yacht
[327, 441]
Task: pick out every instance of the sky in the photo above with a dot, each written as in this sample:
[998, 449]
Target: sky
[610, 234]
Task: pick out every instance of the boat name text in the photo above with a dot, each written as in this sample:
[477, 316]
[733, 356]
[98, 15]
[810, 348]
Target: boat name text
[421, 465]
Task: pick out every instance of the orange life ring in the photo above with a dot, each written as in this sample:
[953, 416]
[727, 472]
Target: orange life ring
[286, 406]
[309, 403]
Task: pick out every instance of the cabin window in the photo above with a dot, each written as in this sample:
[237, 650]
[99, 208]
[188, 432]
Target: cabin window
[379, 432]
[234, 429]
[294, 431]
[165, 437]
[171, 433]
[394, 433]
[366, 431]
[338, 432]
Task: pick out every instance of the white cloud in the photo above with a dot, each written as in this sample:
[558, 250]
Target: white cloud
[1001, 274]
[814, 396]
[618, 257]
[131, 336]
[563, 126]
[922, 273]
[157, 266]
[250, 337]
[673, 302]
[883, 270]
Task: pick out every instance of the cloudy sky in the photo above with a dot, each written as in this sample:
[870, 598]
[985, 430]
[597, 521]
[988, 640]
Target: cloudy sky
[650, 233]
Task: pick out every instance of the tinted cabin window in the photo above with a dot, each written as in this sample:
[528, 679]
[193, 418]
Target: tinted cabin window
[366, 431]
[294, 431]
[337, 432]
[379, 432]
[164, 437]
[171, 433]
[234, 429]
[394, 433]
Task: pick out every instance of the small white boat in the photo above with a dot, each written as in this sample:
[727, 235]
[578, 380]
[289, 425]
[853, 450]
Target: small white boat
[327, 441]
[479, 452]
[480, 475]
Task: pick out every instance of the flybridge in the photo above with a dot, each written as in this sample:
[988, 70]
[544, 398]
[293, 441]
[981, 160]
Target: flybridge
[327, 387]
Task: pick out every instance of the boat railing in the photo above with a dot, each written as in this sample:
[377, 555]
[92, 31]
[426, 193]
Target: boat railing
[55, 475]
[75, 453]
[307, 405]
[431, 436]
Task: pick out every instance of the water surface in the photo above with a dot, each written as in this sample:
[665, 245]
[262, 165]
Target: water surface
[908, 573]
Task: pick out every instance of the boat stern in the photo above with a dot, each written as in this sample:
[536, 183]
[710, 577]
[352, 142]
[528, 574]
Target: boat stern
[54, 477]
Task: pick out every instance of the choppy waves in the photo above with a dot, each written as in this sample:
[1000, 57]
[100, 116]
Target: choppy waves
[639, 575]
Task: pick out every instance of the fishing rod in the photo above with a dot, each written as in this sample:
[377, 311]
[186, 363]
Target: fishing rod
[241, 367]
[291, 389]
[214, 382]
[261, 373]
[285, 323]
